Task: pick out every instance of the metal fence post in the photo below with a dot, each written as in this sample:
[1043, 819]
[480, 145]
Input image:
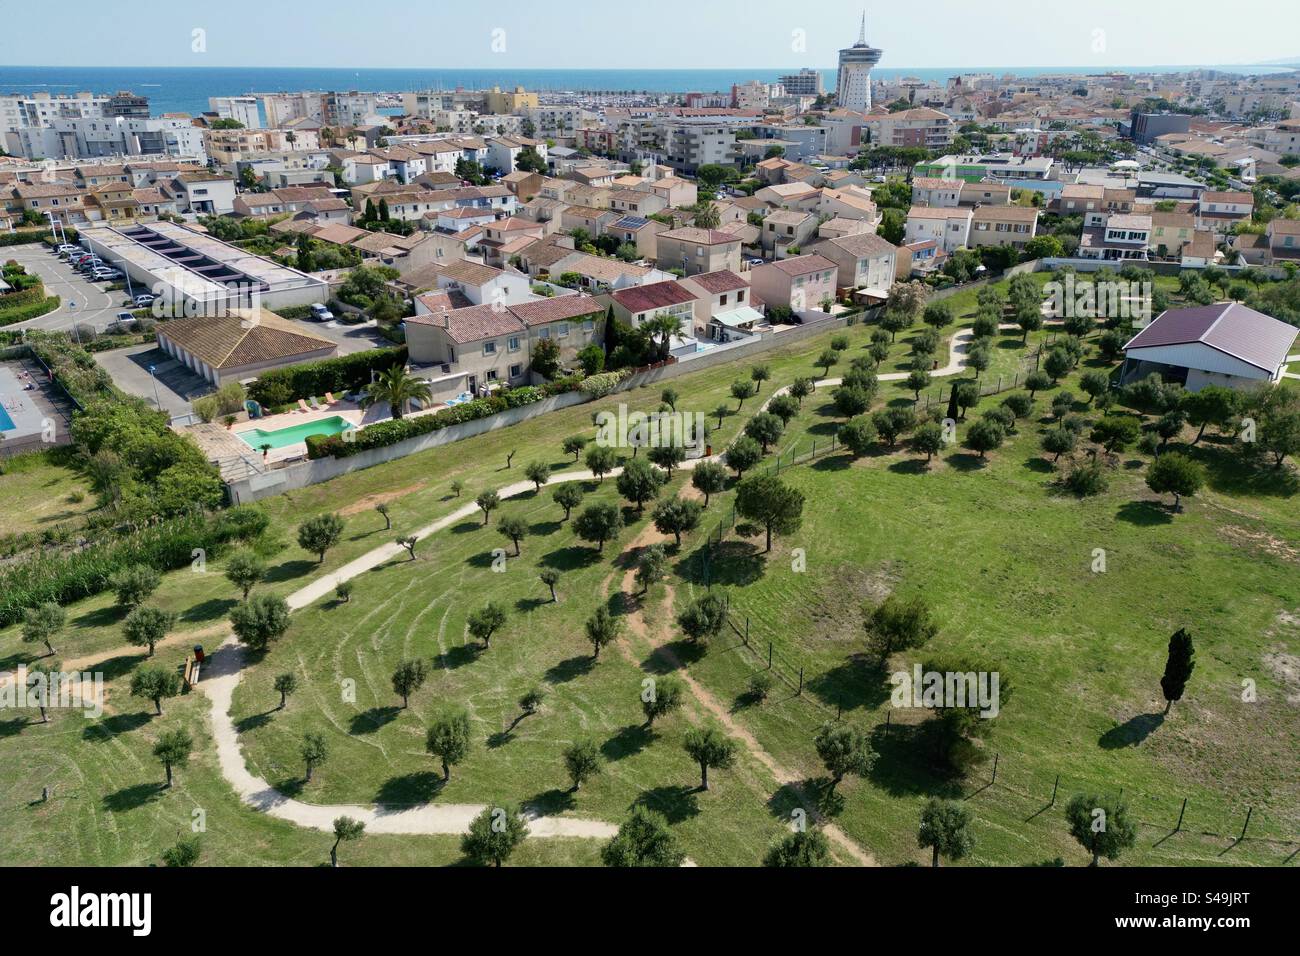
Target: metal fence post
[800, 694]
[1180, 815]
[995, 769]
[1054, 789]
[1249, 811]
[769, 655]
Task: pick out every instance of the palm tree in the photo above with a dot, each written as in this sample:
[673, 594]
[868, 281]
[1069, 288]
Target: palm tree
[397, 388]
[665, 326]
[707, 215]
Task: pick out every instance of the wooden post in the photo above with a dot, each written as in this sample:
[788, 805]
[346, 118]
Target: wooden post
[769, 655]
[995, 768]
[1249, 811]
[1180, 815]
[800, 694]
[747, 630]
[888, 715]
[1054, 789]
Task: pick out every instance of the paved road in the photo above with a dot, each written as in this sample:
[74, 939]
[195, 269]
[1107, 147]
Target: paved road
[348, 337]
[171, 383]
[83, 302]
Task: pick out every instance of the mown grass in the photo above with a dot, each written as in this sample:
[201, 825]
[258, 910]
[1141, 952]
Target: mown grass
[40, 490]
[1003, 557]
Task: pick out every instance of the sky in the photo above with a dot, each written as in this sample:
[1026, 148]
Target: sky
[667, 34]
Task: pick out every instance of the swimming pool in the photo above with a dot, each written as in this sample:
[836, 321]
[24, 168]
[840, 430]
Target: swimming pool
[6, 423]
[283, 437]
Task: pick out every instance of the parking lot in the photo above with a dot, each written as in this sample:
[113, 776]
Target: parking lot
[83, 301]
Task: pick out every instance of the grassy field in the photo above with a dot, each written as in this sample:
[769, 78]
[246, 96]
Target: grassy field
[39, 492]
[1003, 557]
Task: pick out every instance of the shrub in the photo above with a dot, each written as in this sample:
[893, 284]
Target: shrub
[342, 374]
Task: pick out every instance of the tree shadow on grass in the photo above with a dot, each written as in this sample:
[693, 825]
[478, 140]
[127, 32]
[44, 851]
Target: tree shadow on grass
[372, 720]
[291, 786]
[568, 670]
[676, 803]
[458, 656]
[288, 570]
[901, 768]
[785, 801]
[14, 726]
[485, 559]
[465, 527]
[673, 656]
[543, 528]
[1144, 514]
[1132, 732]
[1227, 473]
[132, 798]
[628, 742]
[961, 461]
[833, 463]
[110, 727]
[910, 466]
[1040, 465]
[855, 682]
[409, 788]
[254, 721]
[101, 617]
[210, 610]
[571, 558]
[115, 667]
[732, 564]
[552, 802]
[525, 605]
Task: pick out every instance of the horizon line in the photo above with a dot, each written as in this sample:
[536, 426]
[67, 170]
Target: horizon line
[643, 69]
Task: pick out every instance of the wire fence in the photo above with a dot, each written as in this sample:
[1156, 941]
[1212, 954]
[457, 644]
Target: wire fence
[1028, 792]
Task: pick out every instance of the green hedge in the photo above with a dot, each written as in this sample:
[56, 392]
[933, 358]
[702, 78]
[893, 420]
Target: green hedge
[64, 578]
[33, 311]
[382, 434]
[347, 372]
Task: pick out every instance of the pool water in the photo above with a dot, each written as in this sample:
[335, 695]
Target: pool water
[6, 423]
[294, 434]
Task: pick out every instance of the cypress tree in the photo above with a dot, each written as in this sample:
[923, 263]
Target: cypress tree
[1178, 668]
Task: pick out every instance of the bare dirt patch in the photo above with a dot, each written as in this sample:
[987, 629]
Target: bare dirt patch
[1260, 541]
[841, 595]
[379, 498]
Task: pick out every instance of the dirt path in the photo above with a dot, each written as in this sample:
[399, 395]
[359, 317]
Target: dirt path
[705, 698]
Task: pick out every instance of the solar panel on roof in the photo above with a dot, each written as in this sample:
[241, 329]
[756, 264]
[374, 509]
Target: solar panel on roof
[631, 222]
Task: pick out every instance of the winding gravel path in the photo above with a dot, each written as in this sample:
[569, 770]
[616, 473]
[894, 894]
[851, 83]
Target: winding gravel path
[225, 668]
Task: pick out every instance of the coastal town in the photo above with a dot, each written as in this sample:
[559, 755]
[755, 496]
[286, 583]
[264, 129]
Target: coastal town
[836, 469]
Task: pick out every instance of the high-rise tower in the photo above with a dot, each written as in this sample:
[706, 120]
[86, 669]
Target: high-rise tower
[853, 89]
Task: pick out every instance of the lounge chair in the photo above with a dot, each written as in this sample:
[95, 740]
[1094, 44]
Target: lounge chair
[330, 399]
[302, 406]
[315, 406]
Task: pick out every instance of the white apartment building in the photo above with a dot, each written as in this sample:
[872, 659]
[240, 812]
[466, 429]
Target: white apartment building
[67, 138]
[241, 109]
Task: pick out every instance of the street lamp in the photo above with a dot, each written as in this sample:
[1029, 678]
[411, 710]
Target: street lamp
[152, 369]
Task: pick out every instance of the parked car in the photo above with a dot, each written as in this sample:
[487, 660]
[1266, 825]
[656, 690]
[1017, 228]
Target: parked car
[320, 313]
[101, 275]
[66, 250]
[123, 320]
[144, 299]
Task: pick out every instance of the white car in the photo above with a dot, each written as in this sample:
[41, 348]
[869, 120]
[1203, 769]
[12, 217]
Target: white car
[320, 313]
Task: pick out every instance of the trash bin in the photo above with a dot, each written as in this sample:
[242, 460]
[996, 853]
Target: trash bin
[198, 653]
[708, 451]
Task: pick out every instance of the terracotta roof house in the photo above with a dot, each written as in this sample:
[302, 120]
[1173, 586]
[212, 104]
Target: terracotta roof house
[239, 346]
[639, 304]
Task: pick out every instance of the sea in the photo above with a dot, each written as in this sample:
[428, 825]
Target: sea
[186, 89]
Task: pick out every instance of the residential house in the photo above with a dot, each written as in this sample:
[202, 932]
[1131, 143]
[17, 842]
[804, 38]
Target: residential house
[933, 191]
[638, 305]
[724, 307]
[1219, 212]
[786, 230]
[696, 251]
[864, 260]
[1003, 226]
[800, 283]
[950, 228]
[1122, 237]
[1170, 233]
